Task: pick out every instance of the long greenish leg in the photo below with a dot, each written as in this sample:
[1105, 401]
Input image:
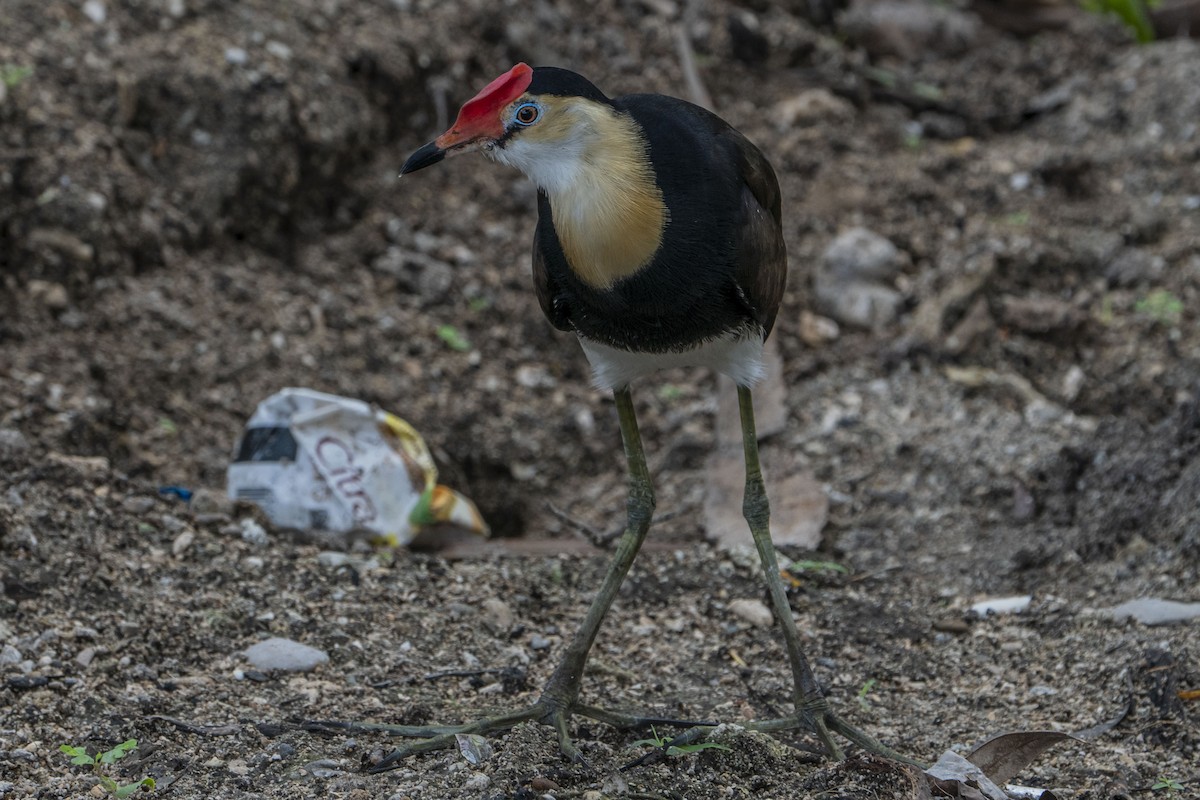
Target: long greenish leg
[562, 690]
[812, 710]
[559, 700]
[810, 703]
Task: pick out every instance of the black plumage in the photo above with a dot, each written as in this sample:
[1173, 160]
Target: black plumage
[721, 266]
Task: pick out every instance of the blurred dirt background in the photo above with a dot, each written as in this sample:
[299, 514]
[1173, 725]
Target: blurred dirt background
[989, 343]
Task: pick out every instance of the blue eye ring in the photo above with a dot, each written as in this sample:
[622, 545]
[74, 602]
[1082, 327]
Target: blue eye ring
[527, 113]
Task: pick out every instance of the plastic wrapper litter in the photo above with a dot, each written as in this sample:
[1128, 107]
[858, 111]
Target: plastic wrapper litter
[316, 461]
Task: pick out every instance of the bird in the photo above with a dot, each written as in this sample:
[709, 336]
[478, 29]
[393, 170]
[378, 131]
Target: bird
[659, 243]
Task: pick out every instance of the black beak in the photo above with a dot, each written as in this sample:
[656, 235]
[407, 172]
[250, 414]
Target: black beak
[428, 155]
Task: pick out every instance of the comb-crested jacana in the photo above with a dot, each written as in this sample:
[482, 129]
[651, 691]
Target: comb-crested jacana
[659, 243]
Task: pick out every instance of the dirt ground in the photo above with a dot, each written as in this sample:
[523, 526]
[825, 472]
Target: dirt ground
[199, 205]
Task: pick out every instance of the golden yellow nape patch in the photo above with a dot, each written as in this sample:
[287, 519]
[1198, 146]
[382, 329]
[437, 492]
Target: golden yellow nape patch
[610, 220]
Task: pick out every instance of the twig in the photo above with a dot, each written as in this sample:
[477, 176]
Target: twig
[202, 730]
[687, 58]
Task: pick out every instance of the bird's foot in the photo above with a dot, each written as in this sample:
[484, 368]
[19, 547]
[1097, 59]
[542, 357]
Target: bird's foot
[817, 717]
[546, 711]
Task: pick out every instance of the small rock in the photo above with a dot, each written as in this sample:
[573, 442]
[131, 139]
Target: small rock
[535, 376]
[51, 295]
[1039, 313]
[497, 616]
[138, 504]
[95, 11]
[286, 655]
[861, 304]
[253, 533]
[182, 542]
[1133, 265]
[1155, 611]
[861, 254]
[1072, 382]
[279, 50]
[176, 8]
[85, 656]
[909, 29]
[951, 625]
[539, 642]
[753, 612]
[10, 655]
[542, 784]
[1002, 605]
[332, 559]
[12, 442]
[811, 107]
[816, 330]
[236, 56]
[477, 782]
[850, 281]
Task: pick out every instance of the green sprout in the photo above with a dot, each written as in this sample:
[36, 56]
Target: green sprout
[805, 565]
[676, 751]
[99, 761]
[669, 392]
[1165, 784]
[13, 74]
[1161, 306]
[863, 691]
[1133, 13]
[453, 338]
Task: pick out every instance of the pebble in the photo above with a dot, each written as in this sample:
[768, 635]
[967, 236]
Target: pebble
[1155, 611]
[497, 615]
[951, 625]
[138, 504]
[95, 11]
[10, 655]
[1002, 605]
[478, 782]
[182, 542]
[1133, 265]
[816, 330]
[861, 254]
[753, 612]
[850, 281]
[253, 533]
[539, 642]
[285, 654]
[12, 442]
[810, 107]
[332, 559]
[236, 56]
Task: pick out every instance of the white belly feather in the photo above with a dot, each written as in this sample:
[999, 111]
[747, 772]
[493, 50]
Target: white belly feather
[737, 355]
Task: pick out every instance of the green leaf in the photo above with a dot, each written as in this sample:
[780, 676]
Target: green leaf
[689, 749]
[649, 743]
[78, 754]
[453, 338]
[118, 752]
[126, 791]
[13, 74]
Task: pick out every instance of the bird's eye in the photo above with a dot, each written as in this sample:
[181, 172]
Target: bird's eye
[527, 114]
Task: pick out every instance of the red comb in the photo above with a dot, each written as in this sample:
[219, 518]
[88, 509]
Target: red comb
[480, 114]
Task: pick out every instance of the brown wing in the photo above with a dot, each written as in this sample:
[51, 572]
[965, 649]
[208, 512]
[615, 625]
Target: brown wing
[761, 272]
